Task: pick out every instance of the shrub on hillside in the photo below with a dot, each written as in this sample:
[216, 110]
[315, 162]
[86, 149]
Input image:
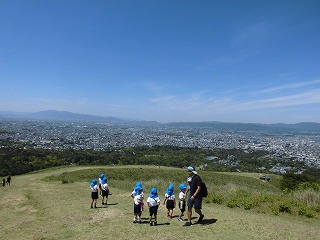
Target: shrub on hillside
[309, 185]
[292, 181]
[274, 209]
[304, 211]
[232, 203]
[248, 202]
[214, 198]
[308, 197]
[285, 207]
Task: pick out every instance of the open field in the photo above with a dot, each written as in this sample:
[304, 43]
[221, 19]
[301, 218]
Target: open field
[42, 206]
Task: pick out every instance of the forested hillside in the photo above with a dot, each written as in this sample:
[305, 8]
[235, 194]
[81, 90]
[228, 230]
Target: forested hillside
[18, 159]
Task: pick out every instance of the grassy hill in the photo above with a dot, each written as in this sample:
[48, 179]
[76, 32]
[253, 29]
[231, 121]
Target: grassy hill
[55, 204]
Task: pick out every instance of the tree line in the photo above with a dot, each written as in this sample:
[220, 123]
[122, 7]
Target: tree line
[16, 160]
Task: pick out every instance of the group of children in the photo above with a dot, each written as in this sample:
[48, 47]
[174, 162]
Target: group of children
[6, 182]
[153, 202]
[103, 188]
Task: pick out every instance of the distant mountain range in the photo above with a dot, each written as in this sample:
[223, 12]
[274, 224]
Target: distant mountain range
[227, 126]
[54, 115]
[57, 115]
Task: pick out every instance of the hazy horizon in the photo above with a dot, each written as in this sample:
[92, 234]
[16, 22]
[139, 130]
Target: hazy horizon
[21, 114]
[166, 61]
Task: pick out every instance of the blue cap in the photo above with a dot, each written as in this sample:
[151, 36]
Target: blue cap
[153, 193]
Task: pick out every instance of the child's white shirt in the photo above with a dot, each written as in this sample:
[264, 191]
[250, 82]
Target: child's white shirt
[104, 186]
[169, 197]
[182, 195]
[153, 201]
[134, 193]
[137, 199]
[94, 188]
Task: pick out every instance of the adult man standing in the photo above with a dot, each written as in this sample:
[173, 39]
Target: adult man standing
[194, 198]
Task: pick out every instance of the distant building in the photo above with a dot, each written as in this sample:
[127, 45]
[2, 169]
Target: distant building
[211, 158]
[265, 178]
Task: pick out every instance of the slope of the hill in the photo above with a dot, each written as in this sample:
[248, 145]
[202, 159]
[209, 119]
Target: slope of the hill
[42, 206]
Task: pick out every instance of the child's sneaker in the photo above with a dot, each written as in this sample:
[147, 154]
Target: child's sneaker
[150, 223]
[180, 219]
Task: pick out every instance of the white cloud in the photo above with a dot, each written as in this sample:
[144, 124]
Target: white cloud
[252, 34]
[197, 106]
[162, 100]
[201, 105]
[290, 86]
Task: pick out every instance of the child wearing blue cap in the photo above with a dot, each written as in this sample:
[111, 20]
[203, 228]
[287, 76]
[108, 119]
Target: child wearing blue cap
[100, 181]
[170, 200]
[139, 184]
[94, 193]
[138, 196]
[182, 200]
[105, 190]
[153, 202]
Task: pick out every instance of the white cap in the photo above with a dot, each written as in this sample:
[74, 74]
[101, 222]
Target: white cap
[192, 169]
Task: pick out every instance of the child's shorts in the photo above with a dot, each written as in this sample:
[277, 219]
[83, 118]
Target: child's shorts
[170, 204]
[153, 210]
[94, 195]
[105, 193]
[136, 208]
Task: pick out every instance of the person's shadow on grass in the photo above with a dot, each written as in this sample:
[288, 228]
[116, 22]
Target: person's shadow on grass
[162, 224]
[111, 204]
[208, 221]
[106, 206]
[158, 224]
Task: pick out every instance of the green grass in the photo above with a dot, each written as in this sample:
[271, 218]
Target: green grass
[54, 204]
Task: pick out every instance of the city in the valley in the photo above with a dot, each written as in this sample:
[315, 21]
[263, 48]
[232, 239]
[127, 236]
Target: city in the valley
[298, 146]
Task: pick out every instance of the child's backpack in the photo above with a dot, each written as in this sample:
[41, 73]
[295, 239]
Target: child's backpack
[204, 190]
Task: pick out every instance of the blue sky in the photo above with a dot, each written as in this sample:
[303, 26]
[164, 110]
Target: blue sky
[177, 60]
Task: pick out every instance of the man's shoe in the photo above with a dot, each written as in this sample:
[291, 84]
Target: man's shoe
[187, 224]
[200, 219]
